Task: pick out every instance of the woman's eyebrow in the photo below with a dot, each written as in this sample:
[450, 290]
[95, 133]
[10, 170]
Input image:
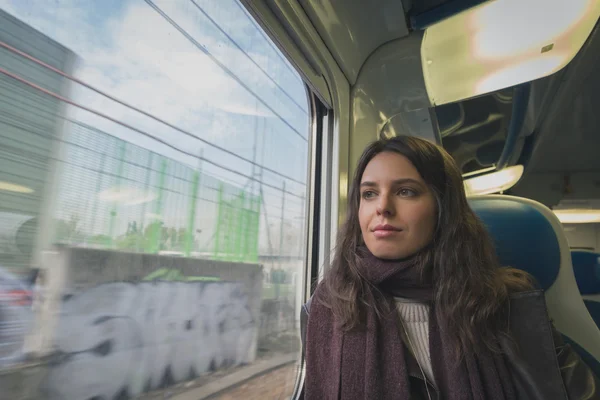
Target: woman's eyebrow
[368, 184]
[395, 182]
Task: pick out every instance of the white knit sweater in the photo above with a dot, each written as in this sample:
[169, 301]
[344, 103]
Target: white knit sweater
[415, 317]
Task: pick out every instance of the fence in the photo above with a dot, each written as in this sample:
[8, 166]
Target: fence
[114, 194]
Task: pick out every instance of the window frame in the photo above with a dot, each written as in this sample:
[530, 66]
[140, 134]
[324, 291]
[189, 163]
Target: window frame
[329, 94]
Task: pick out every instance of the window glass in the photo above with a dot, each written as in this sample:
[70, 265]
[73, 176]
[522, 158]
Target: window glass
[153, 174]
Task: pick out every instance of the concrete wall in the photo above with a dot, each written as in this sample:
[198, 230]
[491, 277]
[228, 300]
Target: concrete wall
[115, 335]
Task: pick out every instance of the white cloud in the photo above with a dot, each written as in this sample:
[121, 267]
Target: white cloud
[139, 58]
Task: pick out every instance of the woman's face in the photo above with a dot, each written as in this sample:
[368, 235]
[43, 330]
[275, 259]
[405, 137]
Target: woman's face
[397, 212]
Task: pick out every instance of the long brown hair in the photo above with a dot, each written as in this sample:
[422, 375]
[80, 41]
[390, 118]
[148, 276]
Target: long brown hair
[470, 287]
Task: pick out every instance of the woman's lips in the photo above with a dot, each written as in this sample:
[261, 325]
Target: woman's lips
[385, 230]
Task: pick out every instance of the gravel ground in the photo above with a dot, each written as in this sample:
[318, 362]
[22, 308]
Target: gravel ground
[276, 385]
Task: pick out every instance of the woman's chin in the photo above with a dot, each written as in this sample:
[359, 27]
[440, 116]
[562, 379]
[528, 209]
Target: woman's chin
[389, 252]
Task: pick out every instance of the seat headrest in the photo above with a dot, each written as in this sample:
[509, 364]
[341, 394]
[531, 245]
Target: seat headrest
[586, 266]
[523, 236]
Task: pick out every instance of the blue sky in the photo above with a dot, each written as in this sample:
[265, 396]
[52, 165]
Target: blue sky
[127, 49]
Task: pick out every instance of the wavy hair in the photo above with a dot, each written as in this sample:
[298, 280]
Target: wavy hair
[470, 287]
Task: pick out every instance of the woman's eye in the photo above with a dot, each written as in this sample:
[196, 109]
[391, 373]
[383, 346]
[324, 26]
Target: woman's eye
[367, 194]
[407, 192]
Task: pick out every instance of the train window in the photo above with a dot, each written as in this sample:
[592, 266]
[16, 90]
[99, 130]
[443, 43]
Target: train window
[154, 171]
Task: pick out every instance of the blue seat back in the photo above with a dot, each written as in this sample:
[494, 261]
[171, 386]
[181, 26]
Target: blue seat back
[528, 236]
[586, 267]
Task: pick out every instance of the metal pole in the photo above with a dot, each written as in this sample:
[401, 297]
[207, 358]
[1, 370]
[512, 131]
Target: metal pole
[98, 187]
[262, 201]
[254, 151]
[249, 236]
[219, 222]
[156, 233]
[192, 214]
[146, 190]
[281, 224]
[113, 213]
[280, 272]
[240, 227]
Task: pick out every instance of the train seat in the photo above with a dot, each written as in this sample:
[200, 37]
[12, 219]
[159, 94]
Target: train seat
[528, 236]
[586, 267]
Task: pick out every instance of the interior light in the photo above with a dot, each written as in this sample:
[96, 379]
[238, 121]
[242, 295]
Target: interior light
[13, 187]
[503, 43]
[494, 182]
[554, 19]
[126, 196]
[578, 216]
[533, 67]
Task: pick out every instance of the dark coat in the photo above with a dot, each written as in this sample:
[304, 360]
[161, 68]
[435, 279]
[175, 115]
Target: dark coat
[542, 366]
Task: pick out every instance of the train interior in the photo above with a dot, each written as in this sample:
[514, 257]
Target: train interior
[173, 173]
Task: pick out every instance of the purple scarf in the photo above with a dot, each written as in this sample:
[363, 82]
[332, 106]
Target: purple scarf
[371, 364]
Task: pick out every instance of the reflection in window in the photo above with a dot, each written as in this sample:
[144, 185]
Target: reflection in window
[153, 163]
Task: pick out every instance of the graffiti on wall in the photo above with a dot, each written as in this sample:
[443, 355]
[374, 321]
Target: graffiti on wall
[118, 340]
[16, 317]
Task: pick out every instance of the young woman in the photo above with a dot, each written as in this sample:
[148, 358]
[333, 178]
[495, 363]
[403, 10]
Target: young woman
[415, 305]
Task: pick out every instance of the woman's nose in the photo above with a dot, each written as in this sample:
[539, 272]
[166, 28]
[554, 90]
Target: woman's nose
[385, 206]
